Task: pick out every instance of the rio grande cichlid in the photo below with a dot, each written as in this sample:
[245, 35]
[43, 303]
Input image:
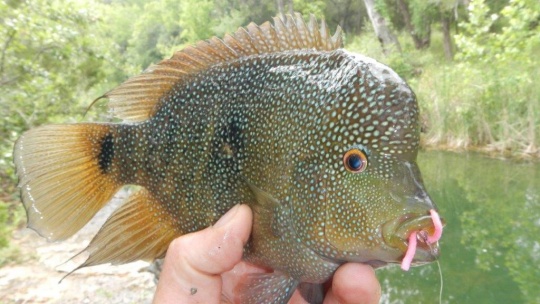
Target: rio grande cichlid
[320, 142]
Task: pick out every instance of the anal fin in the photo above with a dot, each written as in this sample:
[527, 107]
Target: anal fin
[141, 229]
[268, 288]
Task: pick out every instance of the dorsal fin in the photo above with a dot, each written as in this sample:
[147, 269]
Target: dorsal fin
[137, 98]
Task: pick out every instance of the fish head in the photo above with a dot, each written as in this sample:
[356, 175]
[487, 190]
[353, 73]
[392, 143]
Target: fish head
[372, 193]
[372, 213]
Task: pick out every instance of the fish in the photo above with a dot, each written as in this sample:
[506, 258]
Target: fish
[321, 143]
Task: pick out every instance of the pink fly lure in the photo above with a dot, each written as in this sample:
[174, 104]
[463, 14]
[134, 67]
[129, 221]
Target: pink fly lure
[411, 250]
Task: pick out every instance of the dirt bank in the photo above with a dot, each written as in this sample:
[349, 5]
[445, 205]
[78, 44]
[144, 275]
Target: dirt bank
[36, 280]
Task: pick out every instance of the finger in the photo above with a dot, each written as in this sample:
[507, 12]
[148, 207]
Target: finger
[354, 283]
[194, 262]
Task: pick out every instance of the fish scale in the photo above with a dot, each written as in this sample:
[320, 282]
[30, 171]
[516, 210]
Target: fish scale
[320, 142]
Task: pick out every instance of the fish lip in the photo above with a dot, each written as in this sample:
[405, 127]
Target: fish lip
[396, 233]
[421, 223]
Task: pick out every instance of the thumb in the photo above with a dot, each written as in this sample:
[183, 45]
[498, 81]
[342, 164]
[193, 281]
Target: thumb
[194, 262]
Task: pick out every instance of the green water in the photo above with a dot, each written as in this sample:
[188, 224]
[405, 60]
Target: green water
[491, 243]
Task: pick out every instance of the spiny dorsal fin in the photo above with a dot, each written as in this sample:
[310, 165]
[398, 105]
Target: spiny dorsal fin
[137, 98]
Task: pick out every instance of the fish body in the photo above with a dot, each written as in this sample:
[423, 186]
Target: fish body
[321, 143]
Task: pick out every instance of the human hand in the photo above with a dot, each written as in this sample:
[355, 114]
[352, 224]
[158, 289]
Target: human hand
[206, 267]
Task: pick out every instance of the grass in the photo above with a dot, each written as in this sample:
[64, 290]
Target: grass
[493, 107]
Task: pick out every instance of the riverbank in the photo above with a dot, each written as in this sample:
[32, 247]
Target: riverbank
[489, 151]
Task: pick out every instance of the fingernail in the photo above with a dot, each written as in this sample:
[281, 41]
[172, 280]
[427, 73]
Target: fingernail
[227, 217]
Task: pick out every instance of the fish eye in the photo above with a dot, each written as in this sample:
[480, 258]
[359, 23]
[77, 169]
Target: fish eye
[355, 160]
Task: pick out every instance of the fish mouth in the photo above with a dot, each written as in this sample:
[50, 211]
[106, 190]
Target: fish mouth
[425, 228]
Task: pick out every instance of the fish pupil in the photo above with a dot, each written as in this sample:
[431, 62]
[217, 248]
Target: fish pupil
[355, 162]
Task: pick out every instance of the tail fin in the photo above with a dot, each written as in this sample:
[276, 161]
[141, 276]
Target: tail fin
[65, 176]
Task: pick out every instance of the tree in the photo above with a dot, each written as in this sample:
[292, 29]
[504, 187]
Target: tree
[448, 11]
[446, 20]
[285, 7]
[421, 31]
[387, 39]
[349, 14]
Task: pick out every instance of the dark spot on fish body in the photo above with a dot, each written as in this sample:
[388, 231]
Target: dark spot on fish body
[223, 169]
[231, 136]
[106, 153]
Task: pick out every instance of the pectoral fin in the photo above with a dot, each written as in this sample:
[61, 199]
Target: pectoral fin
[263, 198]
[312, 293]
[270, 209]
[267, 288]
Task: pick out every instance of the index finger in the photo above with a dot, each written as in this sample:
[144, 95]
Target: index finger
[194, 262]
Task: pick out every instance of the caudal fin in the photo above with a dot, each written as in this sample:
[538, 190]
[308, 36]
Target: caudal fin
[65, 176]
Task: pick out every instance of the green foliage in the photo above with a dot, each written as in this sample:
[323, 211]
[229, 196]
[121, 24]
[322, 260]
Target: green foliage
[306, 8]
[195, 20]
[161, 28]
[4, 231]
[50, 58]
[488, 98]
[230, 22]
[478, 42]
[11, 215]
[423, 13]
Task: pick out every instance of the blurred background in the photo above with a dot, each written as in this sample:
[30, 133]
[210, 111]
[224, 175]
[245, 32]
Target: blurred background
[474, 65]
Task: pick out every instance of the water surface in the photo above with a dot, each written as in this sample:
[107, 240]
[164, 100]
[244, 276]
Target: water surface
[491, 243]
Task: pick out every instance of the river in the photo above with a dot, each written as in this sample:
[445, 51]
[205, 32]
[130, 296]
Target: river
[490, 248]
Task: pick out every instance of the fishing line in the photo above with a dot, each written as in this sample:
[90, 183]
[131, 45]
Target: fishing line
[441, 278]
